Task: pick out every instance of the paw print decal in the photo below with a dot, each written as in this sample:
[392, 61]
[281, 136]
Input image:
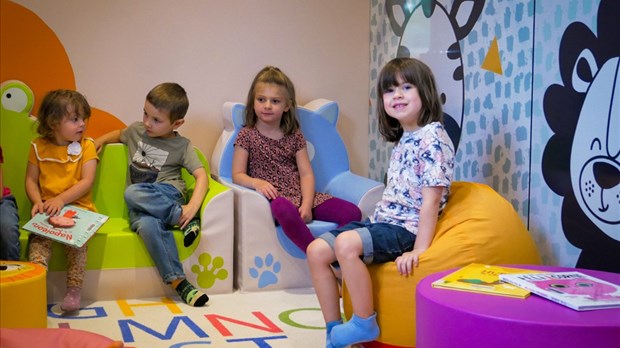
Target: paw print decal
[207, 276]
[265, 271]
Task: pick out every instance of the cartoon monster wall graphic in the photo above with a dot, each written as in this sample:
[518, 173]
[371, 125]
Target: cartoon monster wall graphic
[417, 26]
[581, 161]
[32, 53]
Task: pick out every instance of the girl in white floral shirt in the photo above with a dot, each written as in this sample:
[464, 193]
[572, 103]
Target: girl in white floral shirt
[403, 224]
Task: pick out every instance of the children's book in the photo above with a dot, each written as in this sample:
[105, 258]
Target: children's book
[482, 278]
[73, 226]
[575, 290]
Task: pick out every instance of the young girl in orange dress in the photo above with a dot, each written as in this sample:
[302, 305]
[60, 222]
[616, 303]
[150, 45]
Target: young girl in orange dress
[61, 170]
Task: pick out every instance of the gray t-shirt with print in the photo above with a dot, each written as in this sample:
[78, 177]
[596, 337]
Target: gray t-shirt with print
[158, 160]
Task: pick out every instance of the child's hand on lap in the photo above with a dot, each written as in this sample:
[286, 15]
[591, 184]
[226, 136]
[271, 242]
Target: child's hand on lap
[266, 189]
[53, 206]
[36, 209]
[306, 214]
[187, 215]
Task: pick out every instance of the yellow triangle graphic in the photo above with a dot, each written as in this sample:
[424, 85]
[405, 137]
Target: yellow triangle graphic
[492, 62]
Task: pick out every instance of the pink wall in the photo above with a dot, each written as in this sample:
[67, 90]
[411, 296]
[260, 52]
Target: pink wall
[120, 49]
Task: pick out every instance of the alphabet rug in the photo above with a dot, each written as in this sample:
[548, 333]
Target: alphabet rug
[285, 318]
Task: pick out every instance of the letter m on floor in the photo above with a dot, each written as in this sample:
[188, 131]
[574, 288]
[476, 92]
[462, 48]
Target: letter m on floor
[126, 324]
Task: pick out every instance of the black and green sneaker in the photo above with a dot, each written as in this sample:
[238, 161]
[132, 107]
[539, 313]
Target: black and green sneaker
[191, 295]
[191, 232]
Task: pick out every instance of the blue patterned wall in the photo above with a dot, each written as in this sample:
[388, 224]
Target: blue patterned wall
[503, 128]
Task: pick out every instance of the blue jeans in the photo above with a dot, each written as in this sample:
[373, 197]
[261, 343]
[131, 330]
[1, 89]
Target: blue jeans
[153, 209]
[9, 229]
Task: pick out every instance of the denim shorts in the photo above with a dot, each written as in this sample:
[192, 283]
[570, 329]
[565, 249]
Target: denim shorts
[382, 242]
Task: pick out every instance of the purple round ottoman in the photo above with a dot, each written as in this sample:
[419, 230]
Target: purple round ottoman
[448, 318]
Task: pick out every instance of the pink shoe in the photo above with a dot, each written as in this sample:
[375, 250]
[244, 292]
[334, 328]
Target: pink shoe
[71, 302]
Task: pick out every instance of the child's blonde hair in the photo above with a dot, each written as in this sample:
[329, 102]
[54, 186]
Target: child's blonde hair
[169, 97]
[417, 73]
[55, 106]
[269, 74]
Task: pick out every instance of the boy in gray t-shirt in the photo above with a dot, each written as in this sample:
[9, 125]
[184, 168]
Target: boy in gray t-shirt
[156, 196]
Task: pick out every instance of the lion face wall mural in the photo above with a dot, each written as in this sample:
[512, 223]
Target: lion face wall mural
[581, 160]
[539, 115]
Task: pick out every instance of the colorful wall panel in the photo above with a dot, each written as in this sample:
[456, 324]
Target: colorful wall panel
[532, 105]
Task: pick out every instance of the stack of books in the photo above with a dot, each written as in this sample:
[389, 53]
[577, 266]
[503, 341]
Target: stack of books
[573, 289]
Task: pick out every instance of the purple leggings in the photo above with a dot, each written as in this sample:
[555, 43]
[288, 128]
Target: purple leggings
[333, 210]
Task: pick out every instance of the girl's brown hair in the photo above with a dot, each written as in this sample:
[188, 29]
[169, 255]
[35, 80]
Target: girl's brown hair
[417, 73]
[56, 105]
[269, 74]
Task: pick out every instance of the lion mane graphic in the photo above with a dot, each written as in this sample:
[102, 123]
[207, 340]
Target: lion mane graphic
[581, 159]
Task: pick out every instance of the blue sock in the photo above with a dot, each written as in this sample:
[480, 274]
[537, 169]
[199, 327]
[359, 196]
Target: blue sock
[329, 326]
[356, 330]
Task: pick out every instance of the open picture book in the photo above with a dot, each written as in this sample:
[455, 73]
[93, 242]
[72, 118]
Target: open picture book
[73, 226]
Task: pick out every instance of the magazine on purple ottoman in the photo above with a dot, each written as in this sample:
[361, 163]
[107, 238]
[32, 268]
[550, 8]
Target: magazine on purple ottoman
[575, 290]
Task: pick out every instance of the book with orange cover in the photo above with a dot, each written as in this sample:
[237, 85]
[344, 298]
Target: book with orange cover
[481, 278]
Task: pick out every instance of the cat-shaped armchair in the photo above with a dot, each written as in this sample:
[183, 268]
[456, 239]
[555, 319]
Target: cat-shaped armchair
[265, 258]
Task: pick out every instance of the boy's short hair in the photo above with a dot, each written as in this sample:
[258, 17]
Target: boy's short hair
[170, 97]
